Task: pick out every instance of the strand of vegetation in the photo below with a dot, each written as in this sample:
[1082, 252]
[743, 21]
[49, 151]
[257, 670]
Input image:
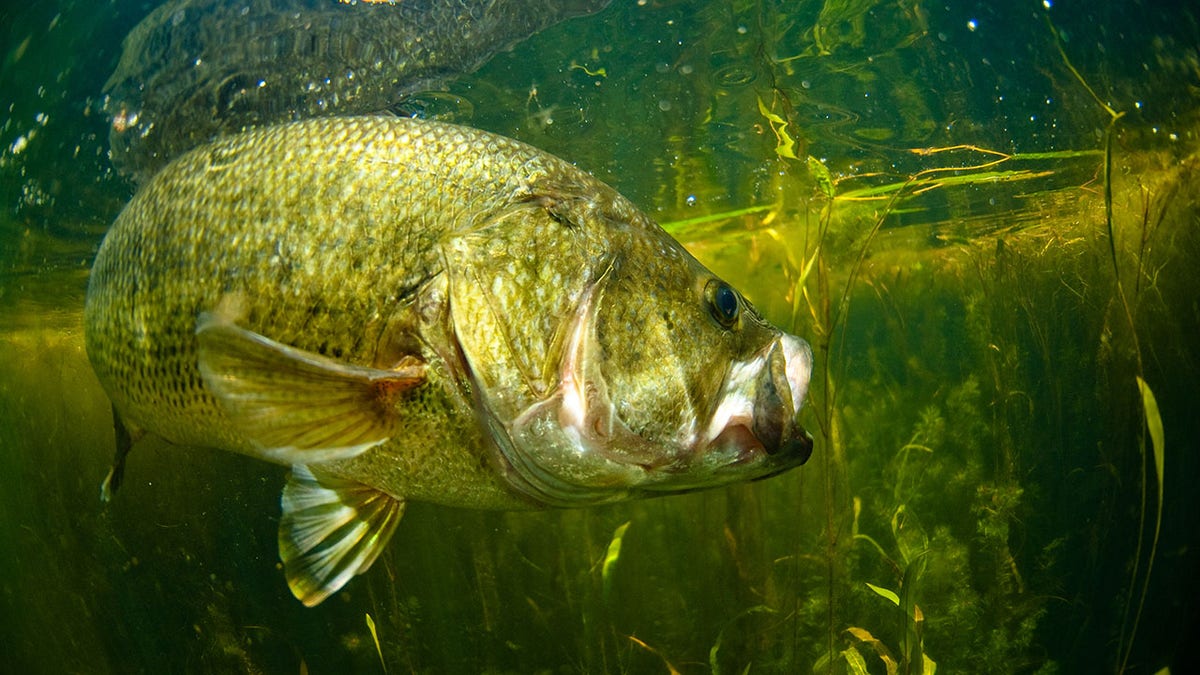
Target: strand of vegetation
[676, 226]
[1150, 409]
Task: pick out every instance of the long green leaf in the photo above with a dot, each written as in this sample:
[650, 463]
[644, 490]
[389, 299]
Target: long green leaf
[857, 664]
[1155, 425]
[944, 180]
[375, 637]
[885, 655]
[884, 593]
[675, 226]
[611, 556]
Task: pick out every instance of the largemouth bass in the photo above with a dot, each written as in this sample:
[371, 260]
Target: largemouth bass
[196, 69]
[401, 309]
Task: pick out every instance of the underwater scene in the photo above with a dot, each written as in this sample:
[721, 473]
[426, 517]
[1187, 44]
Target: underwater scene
[983, 217]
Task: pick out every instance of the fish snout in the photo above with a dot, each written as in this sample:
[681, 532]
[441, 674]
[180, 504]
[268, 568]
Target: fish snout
[782, 386]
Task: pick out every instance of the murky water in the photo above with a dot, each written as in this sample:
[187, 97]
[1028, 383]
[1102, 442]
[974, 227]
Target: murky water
[924, 192]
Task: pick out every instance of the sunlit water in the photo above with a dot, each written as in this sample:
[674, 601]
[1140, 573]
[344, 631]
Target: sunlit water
[919, 191]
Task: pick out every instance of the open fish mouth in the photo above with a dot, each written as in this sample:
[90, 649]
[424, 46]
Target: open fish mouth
[756, 419]
[573, 449]
[741, 439]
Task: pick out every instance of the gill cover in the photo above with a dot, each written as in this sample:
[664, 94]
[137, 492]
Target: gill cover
[522, 287]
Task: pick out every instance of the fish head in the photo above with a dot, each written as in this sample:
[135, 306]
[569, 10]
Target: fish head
[663, 378]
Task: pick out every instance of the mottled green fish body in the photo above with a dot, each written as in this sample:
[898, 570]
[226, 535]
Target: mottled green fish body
[401, 309]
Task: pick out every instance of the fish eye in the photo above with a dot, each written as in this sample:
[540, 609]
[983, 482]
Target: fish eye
[723, 302]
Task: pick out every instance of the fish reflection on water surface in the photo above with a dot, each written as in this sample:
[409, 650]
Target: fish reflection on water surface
[194, 70]
[402, 309]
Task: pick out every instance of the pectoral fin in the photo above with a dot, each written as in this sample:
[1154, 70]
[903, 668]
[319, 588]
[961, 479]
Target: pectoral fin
[296, 406]
[331, 530]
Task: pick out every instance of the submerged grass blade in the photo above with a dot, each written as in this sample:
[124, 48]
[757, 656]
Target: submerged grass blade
[375, 637]
[919, 185]
[1056, 154]
[914, 619]
[1058, 42]
[1155, 425]
[674, 227]
[671, 669]
[611, 556]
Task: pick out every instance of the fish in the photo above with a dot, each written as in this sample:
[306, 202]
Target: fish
[193, 70]
[402, 309]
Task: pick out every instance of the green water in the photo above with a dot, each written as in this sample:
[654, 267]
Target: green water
[981, 448]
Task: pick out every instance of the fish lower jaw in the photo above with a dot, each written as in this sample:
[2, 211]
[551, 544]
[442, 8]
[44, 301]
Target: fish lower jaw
[738, 440]
[731, 430]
